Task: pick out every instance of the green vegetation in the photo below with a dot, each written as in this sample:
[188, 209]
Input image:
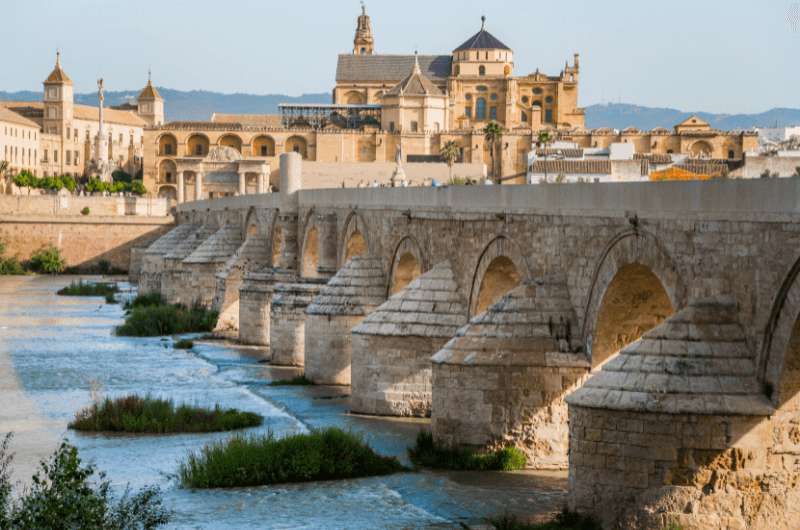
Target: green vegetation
[81, 288]
[427, 453]
[493, 133]
[135, 414]
[85, 210]
[259, 460]
[566, 520]
[9, 266]
[543, 141]
[145, 300]
[299, 380]
[47, 260]
[165, 319]
[95, 185]
[65, 494]
[27, 179]
[450, 153]
[183, 344]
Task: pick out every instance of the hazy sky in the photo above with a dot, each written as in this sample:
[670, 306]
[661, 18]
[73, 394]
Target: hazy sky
[715, 55]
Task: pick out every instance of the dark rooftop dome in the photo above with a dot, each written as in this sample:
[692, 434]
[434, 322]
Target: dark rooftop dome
[483, 40]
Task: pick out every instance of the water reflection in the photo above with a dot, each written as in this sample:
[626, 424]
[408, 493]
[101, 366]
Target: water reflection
[55, 352]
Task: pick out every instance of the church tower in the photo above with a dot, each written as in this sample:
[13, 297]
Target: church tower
[364, 43]
[58, 101]
[151, 104]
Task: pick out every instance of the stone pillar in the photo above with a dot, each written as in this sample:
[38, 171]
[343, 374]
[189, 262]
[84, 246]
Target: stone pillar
[181, 188]
[242, 183]
[287, 335]
[198, 186]
[289, 247]
[291, 180]
[255, 298]
[261, 184]
[327, 241]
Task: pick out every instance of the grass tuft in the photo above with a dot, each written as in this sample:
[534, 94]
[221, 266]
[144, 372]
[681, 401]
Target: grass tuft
[145, 300]
[245, 461]
[81, 288]
[135, 414]
[566, 520]
[299, 380]
[183, 344]
[427, 453]
[163, 319]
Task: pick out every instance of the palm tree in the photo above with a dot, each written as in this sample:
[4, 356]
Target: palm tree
[3, 170]
[450, 153]
[544, 139]
[492, 133]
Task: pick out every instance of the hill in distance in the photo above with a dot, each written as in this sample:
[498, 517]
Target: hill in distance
[198, 105]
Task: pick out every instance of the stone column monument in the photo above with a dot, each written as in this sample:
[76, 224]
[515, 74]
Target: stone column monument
[101, 144]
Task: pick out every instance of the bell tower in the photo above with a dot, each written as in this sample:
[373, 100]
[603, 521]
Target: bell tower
[364, 42]
[150, 104]
[58, 100]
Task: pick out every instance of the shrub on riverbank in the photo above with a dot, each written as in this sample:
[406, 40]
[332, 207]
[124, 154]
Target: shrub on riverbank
[9, 266]
[81, 288]
[135, 414]
[155, 320]
[66, 494]
[427, 453]
[566, 520]
[299, 380]
[245, 461]
[47, 260]
[183, 344]
[145, 300]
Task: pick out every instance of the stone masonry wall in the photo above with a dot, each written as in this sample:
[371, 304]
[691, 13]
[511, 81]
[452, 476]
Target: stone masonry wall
[700, 472]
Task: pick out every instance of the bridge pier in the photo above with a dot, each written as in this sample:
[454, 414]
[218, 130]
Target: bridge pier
[209, 259]
[255, 298]
[287, 329]
[153, 259]
[502, 379]
[393, 345]
[175, 282]
[229, 280]
[354, 292]
[677, 429]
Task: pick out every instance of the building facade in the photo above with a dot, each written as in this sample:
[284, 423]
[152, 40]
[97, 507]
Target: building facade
[385, 104]
[65, 134]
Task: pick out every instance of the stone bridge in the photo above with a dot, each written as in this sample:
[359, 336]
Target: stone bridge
[643, 336]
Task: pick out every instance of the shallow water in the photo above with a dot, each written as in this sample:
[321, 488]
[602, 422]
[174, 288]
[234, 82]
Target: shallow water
[57, 353]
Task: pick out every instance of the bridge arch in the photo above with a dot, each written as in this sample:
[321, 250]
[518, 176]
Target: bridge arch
[635, 286]
[408, 263]
[252, 223]
[500, 268]
[275, 239]
[780, 348]
[355, 238]
[309, 250]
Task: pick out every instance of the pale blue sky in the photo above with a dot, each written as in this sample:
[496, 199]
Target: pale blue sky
[714, 55]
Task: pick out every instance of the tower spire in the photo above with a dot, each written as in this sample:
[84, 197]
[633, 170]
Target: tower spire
[364, 42]
[58, 57]
[483, 22]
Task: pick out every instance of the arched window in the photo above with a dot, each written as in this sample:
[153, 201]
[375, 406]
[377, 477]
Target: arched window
[524, 116]
[481, 70]
[457, 70]
[731, 154]
[480, 109]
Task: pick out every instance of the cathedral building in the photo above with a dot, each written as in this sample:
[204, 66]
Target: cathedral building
[65, 134]
[384, 105]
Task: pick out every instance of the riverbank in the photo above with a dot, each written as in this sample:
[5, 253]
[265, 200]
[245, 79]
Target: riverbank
[61, 352]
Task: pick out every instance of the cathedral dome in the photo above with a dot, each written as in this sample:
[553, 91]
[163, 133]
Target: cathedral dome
[483, 40]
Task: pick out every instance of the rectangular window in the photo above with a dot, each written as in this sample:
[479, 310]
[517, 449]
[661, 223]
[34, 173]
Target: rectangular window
[55, 156]
[548, 116]
[44, 159]
[492, 113]
[76, 158]
[414, 126]
[391, 126]
[468, 112]
[69, 157]
[68, 133]
[264, 151]
[120, 138]
[75, 134]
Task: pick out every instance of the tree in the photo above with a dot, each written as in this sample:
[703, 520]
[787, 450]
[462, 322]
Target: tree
[493, 132]
[450, 153]
[544, 139]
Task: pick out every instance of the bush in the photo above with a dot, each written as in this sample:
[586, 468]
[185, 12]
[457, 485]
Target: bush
[121, 176]
[183, 344]
[260, 460]
[299, 380]
[155, 320]
[11, 266]
[81, 288]
[85, 210]
[135, 414]
[47, 260]
[145, 300]
[64, 494]
[566, 520]
[427, 453]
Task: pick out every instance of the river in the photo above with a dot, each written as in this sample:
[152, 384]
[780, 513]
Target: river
[58, 353]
